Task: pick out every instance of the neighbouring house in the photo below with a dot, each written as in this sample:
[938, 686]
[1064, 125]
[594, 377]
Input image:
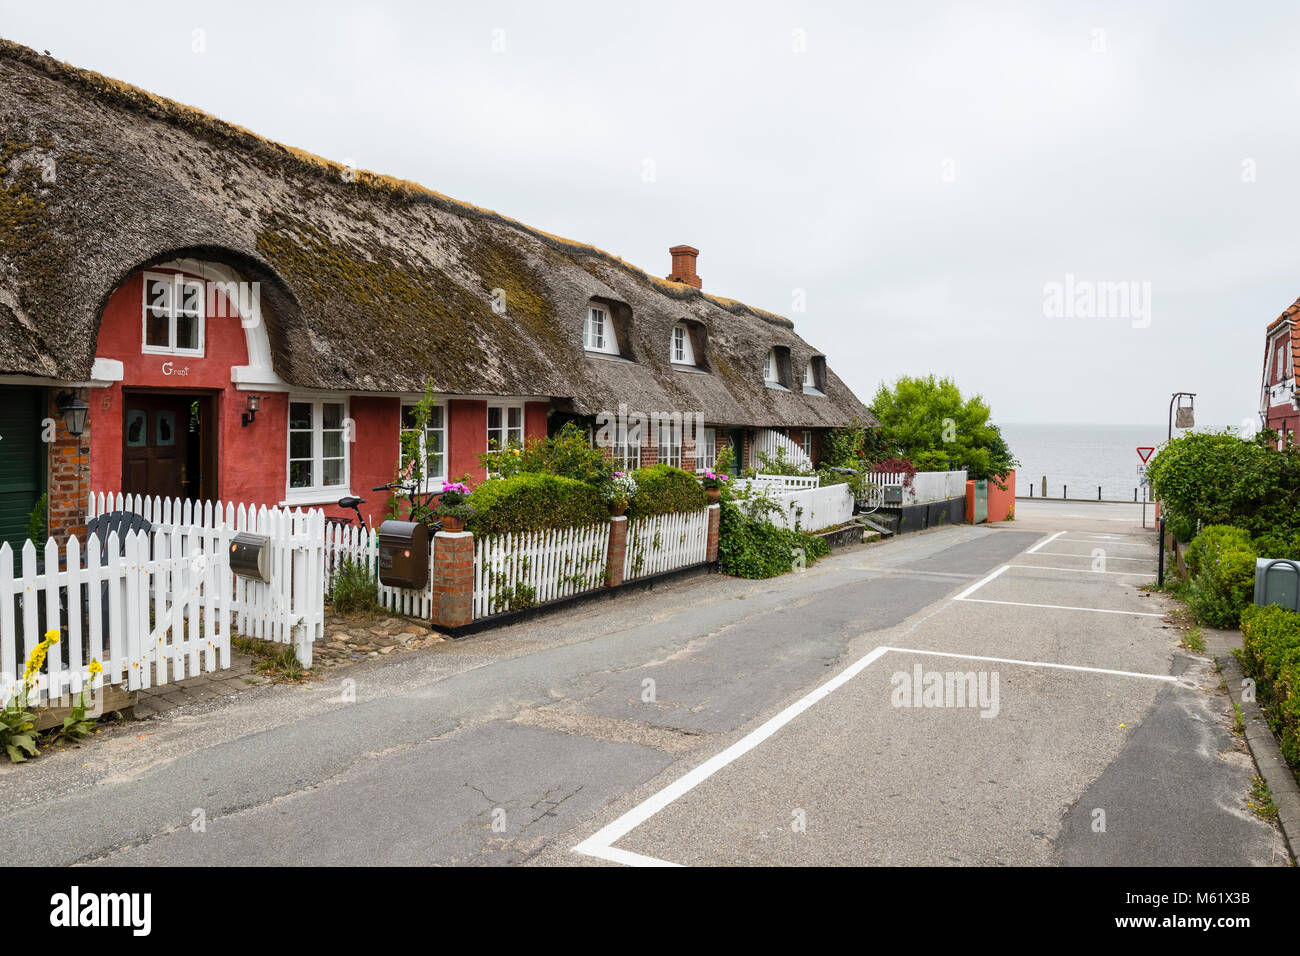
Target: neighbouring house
[1279, 404]
[249, 322]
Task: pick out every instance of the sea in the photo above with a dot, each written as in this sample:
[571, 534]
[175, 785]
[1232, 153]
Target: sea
[1079, 459]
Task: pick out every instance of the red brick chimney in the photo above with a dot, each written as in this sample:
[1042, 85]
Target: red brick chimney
[684, 265]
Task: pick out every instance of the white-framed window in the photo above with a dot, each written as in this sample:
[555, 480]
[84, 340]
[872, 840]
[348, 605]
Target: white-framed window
[680, 351]
[806, 442]
[809, 377]
[626, 452]
[670, 444]
[706, 449]
[318, 447]
[173, 314]
[505, 426]
[433, 443]
[598, 332]
[769, 367]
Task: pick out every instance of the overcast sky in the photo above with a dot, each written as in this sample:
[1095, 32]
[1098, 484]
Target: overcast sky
[922, 172]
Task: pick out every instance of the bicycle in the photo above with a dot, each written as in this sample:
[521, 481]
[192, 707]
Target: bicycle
[423, 511]
[341, 521]
[871, 496]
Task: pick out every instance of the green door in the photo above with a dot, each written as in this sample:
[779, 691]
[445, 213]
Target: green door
[981, 501]
[22, 461]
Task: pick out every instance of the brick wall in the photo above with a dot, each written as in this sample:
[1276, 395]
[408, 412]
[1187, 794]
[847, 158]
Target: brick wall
[68, 476]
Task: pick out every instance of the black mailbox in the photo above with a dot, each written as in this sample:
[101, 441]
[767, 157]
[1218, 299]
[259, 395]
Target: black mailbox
[404, 554]
[250, 557]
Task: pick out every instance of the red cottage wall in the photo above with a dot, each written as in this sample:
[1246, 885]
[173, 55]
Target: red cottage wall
[466, 438]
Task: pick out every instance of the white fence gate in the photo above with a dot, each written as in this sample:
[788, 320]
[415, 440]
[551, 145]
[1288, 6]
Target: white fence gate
[290, 608]
[149, 606]
[814, 509]
[659, 543]
[771, 443]
[361, 545]
[512, 571]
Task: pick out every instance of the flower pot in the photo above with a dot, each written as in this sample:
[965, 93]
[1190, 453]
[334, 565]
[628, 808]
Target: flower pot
[713, 494]
[452, 524]
[616, 510]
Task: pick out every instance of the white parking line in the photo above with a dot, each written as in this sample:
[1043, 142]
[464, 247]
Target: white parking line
[1044, 541]
[980, 583]
[1043, 567]
[1058, 607]
[1113, 544]
[1063, 667]
[1109, 557]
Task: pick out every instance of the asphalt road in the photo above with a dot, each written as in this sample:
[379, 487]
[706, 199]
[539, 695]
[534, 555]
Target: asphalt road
[676, 726]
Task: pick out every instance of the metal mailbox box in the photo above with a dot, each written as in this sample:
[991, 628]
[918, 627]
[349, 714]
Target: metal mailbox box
[1277, 581]
[404, 554]
[250, 557]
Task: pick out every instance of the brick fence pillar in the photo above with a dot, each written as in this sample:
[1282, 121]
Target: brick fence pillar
[715, 520]
[453, 578]
[617, 551]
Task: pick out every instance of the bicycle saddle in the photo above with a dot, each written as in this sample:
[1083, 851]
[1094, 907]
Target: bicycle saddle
[351, 501]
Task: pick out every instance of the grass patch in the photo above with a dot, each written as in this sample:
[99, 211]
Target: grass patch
[1238, 720]
[355, 590]
[1261, 800]
[276, 661]
[1193, 638]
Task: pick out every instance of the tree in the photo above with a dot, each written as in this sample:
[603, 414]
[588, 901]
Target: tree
[936, 428]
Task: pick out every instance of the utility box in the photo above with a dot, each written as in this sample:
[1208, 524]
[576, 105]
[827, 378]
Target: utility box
[404, 554]
[250, 556]
[1277, 581]
[893, 494]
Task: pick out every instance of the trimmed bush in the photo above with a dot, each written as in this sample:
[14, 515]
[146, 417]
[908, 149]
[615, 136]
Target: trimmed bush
[533, 501]
[1221, 560]
[663, 489]
[752, 547]
[1271, 654]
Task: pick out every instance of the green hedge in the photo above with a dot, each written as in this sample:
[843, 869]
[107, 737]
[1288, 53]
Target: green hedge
[533, 501]
[1271, 654]
[662, 489]
[1221, 562]
[751, 547]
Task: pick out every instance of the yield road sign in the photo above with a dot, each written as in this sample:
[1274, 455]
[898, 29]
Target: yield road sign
[1145, 453]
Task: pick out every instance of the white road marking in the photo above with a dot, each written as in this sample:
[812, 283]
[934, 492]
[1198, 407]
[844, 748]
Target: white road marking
[1109, 557]
[1044, 541]
[1058, 607]
[980, 583]
[600, 843]
[1043, 567]
[1064, 667]
[1107, 541]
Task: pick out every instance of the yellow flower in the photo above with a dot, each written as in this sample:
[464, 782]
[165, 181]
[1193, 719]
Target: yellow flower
[52, 636]
[96, 667]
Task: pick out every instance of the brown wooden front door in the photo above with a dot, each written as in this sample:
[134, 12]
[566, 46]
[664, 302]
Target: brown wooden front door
[161, 445]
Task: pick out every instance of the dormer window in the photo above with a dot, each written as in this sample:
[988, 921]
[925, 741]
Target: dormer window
[598, 335]
[769, 368]
[173, 314]
[808, 381]
[681, 351]
[814, 374]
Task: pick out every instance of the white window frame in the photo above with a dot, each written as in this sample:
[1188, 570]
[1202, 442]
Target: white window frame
[432, 482]
[680, 349]
[318, 491]
[505, 408]
[670, 451]
[706, 449]
[178, 282]
[806, 442]
[601, 339]
[770, 373]
[626, 450]
[809, 377]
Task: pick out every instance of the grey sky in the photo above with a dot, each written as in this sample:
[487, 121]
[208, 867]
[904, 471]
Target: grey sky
[921, 171]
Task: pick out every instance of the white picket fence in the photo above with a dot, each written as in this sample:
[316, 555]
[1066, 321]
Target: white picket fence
[659, 543]
[778, 484]
[814, 509]
[350, 543]
[512, 571]
[926, 487]
[290, 608]
[149, 607]
[771, 443]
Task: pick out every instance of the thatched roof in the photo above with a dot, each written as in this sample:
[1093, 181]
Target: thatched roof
[368, 283]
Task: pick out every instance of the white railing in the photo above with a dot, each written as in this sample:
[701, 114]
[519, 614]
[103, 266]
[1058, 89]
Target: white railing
[143, 605]
[666, 542]
[926, 487]
[514, 571]
[290, 607]
[814, 509]
[771, 443]
[777, 484]
[361, 545]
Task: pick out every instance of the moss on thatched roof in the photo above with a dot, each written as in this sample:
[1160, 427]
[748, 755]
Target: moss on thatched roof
[369, 283]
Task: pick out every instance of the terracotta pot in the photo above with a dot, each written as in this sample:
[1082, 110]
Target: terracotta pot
[616, 510]
[713, 494]
[452, 524]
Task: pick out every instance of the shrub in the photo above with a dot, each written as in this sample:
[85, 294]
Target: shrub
[533, 501]
[1271, 654]
[354, 589]
[1221, 560]
[663, 489]
[567, 453]
[1278, 546]
[1182, 528]
[749, 546]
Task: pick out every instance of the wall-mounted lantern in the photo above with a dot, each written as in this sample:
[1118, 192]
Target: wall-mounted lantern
[254, 405]
[74, 412]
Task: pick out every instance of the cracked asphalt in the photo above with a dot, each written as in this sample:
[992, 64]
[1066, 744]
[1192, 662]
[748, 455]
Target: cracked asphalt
[512, 746]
